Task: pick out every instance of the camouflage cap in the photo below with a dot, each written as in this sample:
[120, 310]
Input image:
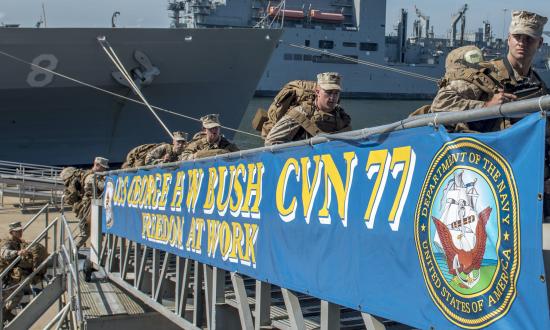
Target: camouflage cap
[524, 22]
[179, 136]
[15, 226]
[104, 162]
[329, 81]
[210, 121]
[463, 57]
[67, 172]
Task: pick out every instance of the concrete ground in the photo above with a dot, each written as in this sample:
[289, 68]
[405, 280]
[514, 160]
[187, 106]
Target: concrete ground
[10, 212]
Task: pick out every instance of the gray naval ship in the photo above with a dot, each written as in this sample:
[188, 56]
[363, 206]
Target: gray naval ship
[356, 29]
[48, 119]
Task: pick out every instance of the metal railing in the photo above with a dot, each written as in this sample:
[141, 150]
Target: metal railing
[33, 170]
[69, 256]
[63, 261]
[30, 182]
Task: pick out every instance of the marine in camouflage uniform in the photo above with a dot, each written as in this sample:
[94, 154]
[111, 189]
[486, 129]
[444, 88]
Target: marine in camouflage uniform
[308, 120]
[209, 141]
[167, 153]
[100, 165]
[496, 81]
[490, 83]
[73, 179]
[31, 258]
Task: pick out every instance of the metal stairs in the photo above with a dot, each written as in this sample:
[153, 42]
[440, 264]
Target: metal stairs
[60, 283]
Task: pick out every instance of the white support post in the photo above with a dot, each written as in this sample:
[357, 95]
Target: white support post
[263, 305]
[137, 260]
[330, 316]
[218, 295]
[198, 302]
[96, 234]
[371, 323]
[293, 309]
[209, 295]
[162, 276]
[183, 272]
[155, 272]
[245, 314]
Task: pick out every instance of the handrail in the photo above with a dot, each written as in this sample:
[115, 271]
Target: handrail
[69, 234]
[45, 207]
[61, 314]
[71, 262]
[18, 258]
[512, 109]
[68, 260]
[28, 278]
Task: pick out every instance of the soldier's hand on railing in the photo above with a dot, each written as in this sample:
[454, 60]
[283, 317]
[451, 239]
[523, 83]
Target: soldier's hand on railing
[500, 98]
[23, 252]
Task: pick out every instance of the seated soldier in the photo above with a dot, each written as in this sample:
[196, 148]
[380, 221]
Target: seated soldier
[209, 141]
[324, 116]
[100, 165]
[166, 153]
[10, 249]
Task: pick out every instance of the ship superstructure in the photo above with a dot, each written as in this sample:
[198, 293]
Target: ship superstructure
[353, 28]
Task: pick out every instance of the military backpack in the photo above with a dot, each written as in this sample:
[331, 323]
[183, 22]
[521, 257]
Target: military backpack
[296, 92]
[136, 156]
[73, 179]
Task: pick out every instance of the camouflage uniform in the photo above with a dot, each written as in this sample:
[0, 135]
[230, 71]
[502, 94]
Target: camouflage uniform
[291, 126]
[466, 88]
[136, 156]
[156, 156]
[84, 208]
[84, 211]
[199, 147]
[306, 120]
[460, 95]
[74, 186]
[9, 250]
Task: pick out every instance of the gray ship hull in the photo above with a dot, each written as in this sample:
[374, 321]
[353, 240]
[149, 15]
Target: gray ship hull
[201, 71]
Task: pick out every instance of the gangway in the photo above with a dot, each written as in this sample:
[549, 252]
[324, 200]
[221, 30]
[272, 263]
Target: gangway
[81, 302]
[196, 295]
[30, 183]
[192, 294]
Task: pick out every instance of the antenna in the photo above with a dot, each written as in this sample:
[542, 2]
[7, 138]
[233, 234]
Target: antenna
[44, 15]
[113, 18]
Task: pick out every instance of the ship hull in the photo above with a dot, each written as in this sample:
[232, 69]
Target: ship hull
[62, 122]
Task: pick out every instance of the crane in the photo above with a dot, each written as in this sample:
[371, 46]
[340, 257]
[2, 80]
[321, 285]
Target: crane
[425, 23]
[460, 16]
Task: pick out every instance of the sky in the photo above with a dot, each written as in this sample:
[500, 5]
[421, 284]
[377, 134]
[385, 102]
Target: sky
[153, 13]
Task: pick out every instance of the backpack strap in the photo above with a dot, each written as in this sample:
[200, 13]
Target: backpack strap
[300, 117]
[478, 77]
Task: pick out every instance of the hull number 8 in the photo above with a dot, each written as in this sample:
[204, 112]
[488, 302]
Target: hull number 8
[38, 77]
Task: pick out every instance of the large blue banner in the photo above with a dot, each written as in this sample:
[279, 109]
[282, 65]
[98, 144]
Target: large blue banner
[421, 226]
